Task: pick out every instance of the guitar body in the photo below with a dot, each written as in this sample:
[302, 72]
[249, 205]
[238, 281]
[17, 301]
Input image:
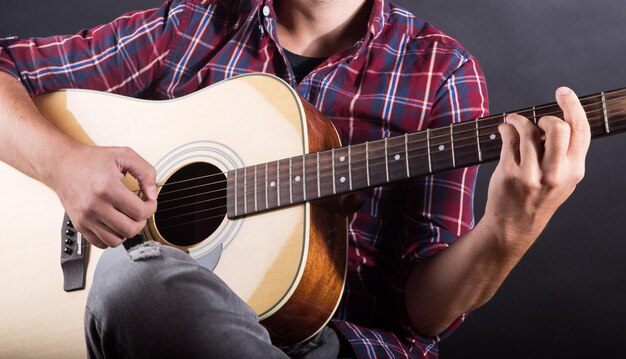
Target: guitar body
[288, 264]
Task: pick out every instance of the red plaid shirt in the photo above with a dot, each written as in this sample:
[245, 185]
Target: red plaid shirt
[403, 76]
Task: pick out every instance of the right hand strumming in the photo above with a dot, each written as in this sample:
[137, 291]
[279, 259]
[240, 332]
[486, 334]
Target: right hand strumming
[89, 183]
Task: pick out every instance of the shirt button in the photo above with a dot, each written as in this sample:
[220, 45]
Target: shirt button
[266, 10]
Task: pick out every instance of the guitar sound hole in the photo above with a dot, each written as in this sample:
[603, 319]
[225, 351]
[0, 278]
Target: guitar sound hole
[192, 204]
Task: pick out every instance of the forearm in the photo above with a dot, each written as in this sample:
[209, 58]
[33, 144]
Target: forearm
[28, 141]
[539, 169]
[461, 278]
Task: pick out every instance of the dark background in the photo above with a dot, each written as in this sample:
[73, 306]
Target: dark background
[565, 298]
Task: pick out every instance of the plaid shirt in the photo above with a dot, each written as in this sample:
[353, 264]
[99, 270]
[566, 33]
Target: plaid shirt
[403, 76]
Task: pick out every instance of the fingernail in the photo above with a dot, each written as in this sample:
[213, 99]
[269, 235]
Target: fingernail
[562, 91]
[152, 192]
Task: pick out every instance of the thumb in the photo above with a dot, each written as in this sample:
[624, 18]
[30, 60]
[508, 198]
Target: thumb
[141, 170]
[575, 115]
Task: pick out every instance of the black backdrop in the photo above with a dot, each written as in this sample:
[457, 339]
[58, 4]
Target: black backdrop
[565, 297]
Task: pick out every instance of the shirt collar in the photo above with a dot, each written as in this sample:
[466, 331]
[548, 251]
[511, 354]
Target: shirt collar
[376, 23]
[378, 18]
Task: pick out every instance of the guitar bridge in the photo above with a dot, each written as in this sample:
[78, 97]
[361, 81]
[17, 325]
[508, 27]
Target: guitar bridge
[74, 256]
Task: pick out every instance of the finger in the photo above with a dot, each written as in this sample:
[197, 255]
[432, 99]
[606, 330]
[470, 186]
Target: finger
[141, 170]
[528, 140]
[107, 236]
[120, 224]
[575, 116]
[557, 135]
[129, 204]
[509, 153]
[93, 239]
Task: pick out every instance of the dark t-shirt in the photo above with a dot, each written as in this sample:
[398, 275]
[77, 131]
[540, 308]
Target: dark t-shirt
[302, 65]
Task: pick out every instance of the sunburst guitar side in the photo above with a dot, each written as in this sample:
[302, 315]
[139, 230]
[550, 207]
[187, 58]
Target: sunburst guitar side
[288, 264]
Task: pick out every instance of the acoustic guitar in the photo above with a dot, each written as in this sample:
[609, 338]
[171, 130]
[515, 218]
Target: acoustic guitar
[248, 178]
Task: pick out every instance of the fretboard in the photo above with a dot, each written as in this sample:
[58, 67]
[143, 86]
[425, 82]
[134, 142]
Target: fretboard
[313, 176]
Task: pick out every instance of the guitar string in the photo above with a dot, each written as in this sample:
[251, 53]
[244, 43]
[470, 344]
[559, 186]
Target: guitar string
[472, 124]
[180, 224]
[385, 159]
[536, 109]
[325, 168]
[600, 99]
[297, 169]
[205, 210]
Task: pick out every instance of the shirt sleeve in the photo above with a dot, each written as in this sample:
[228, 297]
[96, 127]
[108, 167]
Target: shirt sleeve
[439, 208]
[124, 56]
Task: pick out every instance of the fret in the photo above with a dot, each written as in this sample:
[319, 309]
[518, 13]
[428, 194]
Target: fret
[528, 113]
[406, 155]
[311, 179]
[387, 158]
[535, 119]
[597, 113]
[332, 155]
[250, 193]
[606, 116]
[396, 158]
[278, 183]
[358, 166]
[452, 145]
[440, 149]
[377, 163]
[304, 197]
[272, 184]
[548, 110]
[241, 198]
[236, 197]
[418, 156]
[297, 179]
[267, 204]
[284, 181]
[319, 187]
[326, 179]
[430, 161]
[290, 182]
[466, 150]
[245, 190]
[350, 166]
[615, 111]
[367, 163]
[489, 138]
[480, 152]
[256, 205]
[232, 193]
[342, 170]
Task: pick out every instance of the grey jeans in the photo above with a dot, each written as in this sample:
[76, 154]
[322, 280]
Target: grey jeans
[159, 303]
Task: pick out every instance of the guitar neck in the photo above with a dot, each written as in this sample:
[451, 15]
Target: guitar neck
[313, 176]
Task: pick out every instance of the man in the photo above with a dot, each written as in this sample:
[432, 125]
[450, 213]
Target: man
[416, 265]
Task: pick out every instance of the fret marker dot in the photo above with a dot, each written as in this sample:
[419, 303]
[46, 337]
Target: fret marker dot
[297, 178]
[342, 158]
[272, 184]
[492, 136]
[442, 147]
[342, 179]
[396, 157]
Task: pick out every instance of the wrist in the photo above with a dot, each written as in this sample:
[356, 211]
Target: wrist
[54, 165]
[510, 238]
